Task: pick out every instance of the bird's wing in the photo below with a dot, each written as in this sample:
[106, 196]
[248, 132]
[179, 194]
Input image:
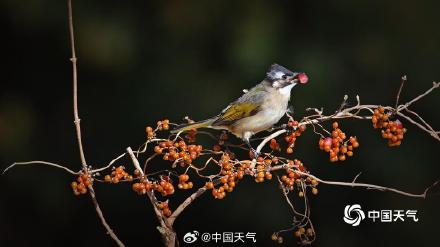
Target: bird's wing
[247, 105]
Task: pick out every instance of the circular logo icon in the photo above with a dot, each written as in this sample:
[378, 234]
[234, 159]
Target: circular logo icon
[190, 237]
[353, 214]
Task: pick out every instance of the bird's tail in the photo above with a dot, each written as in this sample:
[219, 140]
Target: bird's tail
[197, 125]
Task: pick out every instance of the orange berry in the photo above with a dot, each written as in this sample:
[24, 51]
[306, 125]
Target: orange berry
[137, 173]
[166, 212]
[343, 149]
[158, 150]
[335, 125]
[74, 185]
[321, 143]
[209, 185]
[268, 175]
[80, 186]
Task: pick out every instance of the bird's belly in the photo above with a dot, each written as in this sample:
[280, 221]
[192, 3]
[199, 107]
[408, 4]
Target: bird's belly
[259, 122]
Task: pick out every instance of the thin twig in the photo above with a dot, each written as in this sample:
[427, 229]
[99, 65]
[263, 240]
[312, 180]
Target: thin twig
[403, 80]
[364, 185]
[109, 164]
[36, 162]
[434, 86]
[78, 126]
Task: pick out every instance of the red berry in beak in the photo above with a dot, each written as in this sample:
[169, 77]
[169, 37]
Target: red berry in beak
[303, 78]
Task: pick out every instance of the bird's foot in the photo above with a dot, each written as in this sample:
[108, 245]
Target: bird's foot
[254, 153]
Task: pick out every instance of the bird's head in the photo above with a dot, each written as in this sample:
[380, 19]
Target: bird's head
[280, 77]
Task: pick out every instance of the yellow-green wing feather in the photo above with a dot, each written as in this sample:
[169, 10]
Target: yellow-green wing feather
[236, 112]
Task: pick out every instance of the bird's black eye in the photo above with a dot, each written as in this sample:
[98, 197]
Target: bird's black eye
[284, 77]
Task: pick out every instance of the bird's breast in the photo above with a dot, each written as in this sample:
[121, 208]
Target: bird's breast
[271, 111]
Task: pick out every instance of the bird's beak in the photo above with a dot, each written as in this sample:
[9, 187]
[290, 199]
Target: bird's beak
[301, 78]
[292, 79]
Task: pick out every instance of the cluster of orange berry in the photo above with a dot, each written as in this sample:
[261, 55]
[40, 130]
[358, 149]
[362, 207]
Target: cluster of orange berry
[274, 145]
[292, 176]
[275, 237]
[300, 233]
[313, 183]
[380, 118]
[150, 132]
[225, 162]
[391, 130]
[117, 175]
[303, 232]
[161, 125]
[191, 136]
[142, 187]
[80, 187]
[164, 187]
[261, 173]
[183, 182]
[290, 138]
[178, 150]
[163, 206]
[229, 179]
[336, 145]
[219, 193]
[228, 185]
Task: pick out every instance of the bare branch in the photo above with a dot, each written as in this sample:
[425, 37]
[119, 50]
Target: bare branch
[185, 204]
[39, 162]
[366, 185]
[165, 228]
[434, 86]
[73, 59]
[403, 80]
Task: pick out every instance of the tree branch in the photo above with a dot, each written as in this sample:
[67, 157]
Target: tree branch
[73, 59]
[36, 162]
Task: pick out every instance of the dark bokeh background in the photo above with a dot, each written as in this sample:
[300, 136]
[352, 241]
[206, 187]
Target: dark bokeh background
[147, 60]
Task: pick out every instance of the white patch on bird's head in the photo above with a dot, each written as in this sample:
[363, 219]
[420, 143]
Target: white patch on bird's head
[279, 75]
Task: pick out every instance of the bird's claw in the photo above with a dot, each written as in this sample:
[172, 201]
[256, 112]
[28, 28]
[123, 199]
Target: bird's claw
[255, 153]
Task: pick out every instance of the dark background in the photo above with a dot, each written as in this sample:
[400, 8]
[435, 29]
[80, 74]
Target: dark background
[146, 60]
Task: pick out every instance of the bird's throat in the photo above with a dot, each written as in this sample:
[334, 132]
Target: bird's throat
[286, 90]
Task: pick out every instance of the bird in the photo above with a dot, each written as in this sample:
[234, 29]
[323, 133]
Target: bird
[258, 109]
